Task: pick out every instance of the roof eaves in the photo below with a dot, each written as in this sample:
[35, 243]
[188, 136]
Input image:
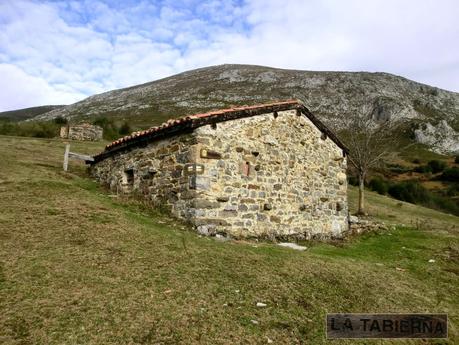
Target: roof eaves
[189, 123]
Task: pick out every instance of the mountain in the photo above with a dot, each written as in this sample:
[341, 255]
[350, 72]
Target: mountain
[27, 113]
[330, 95]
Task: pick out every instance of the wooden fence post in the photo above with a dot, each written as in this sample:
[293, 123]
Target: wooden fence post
[73, 155]
[66, 156]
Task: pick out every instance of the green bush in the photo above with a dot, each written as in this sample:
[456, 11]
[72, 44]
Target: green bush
[416, 161]
[437, 166]
[60, 120]
[38, 129]
[453, 190]
[102, 122]
[353, 180]
[125, 128]
[456, 160]
[378, 185]
[111, 130]
[423, 169]
[410, 191]
[398, 169]
[450, 174]
[415, 193]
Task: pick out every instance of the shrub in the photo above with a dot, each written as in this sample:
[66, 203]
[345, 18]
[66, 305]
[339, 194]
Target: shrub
[423, 169]
[125, 128]
[111, 131]
[437, 166]
[456, 160]
[415, 193]
[450, 174]
[453, 190]
[410, 191]
[378, 185]
[60, 120]
[102, 122]
[416, 161]
[48, 129]
[353, 180]
[398, 169]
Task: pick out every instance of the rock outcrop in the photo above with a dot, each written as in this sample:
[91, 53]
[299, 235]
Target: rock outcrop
[441, 138]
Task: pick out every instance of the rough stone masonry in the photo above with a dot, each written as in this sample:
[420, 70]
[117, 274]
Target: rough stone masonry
[270, 171]
[84, 132]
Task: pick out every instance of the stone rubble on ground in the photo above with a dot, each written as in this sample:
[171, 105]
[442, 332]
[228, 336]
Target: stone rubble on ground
[359, 226]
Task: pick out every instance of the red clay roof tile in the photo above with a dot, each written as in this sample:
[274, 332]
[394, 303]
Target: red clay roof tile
[216, 114]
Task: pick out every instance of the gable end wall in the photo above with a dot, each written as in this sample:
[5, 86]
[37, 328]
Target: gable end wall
[296, 184]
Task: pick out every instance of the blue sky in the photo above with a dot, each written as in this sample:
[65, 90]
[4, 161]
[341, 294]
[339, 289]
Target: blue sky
[59, 52]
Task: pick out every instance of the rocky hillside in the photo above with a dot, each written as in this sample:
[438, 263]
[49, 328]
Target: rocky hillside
[331, 95]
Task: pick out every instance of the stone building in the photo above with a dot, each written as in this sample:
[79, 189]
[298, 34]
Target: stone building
[85, 132]
[271, 170]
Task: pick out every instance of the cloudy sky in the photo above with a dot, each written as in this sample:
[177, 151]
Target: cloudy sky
[59, 52]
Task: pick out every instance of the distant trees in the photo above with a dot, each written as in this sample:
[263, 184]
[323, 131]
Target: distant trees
[111, 129]
[37, 129]
[414, 192]
[50, 129]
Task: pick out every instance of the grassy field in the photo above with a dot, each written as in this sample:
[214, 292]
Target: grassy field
[81, 266]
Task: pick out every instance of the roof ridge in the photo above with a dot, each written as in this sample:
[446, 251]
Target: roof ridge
[190, 122]
[185, 118]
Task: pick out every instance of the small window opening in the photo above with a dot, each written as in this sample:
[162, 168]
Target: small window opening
[213, 126]
[151, 173]
[255, 153]
[275, 114]
[129, 176]
[323, 136]
[246, 169]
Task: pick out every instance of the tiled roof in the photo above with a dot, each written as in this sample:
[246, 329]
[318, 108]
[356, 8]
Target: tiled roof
[176, 126]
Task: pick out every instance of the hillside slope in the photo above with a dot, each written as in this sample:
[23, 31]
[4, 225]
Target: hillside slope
[328, 94]
[27, 113]
[81, 266]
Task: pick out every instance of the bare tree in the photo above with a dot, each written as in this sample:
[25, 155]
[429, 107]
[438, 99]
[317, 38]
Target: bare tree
[370, 143]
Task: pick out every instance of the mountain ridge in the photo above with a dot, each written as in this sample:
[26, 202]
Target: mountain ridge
[27, 113]
[330, 95]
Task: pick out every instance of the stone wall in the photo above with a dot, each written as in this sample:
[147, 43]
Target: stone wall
[83, 132]
[277, 177]
[262, 176]
[155, 172]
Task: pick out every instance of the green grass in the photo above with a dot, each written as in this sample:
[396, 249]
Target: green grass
[394, 211]
[79, 265]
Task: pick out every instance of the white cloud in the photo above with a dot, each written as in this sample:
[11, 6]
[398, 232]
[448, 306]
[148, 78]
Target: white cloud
[68, 50]
[21, 90]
